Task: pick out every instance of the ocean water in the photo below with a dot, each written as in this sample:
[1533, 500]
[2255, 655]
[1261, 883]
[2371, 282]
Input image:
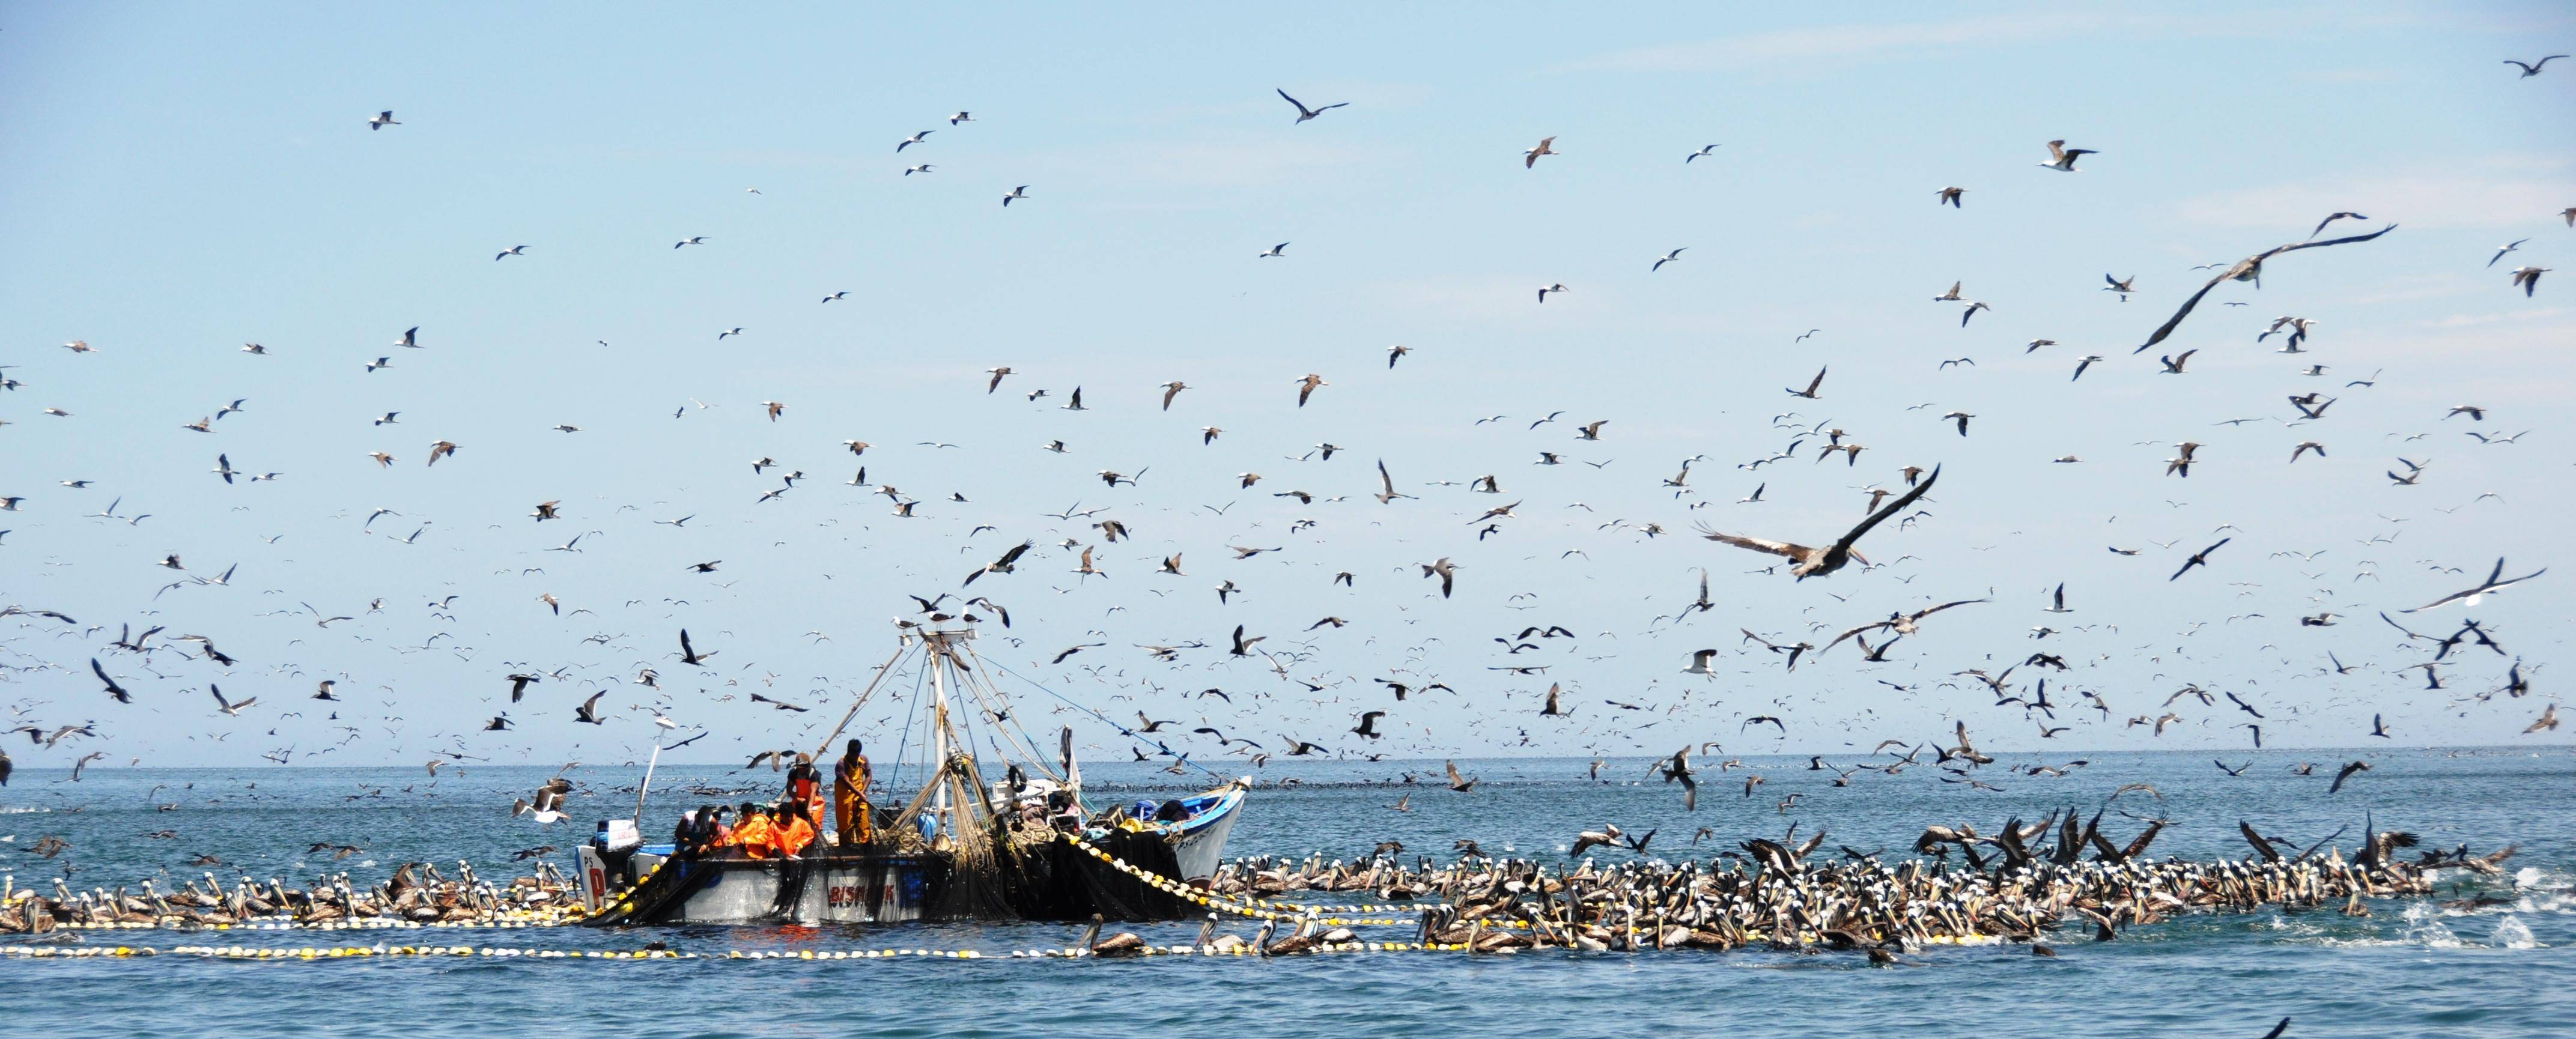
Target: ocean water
[2411, 968]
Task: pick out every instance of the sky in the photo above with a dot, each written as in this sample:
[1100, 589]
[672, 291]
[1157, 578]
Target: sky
[181, 181]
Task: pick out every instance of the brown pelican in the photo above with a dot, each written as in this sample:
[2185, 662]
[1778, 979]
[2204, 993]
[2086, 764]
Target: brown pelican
[1817, 562]
[1121, 944]
[2247, 269]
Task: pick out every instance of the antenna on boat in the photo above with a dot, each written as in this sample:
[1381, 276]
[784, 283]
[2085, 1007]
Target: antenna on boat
[646, 786]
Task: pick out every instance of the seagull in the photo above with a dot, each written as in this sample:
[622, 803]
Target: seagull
[2062, 158]
[2306, 446]
[1280, 250]
[696, 240]
[1306, 387]
[386, 118]
[1814, 562]
[1019, 192]
[515, 250]
[2528, 278]
[2247, 269]
[843, 294]
[2331, 218]
[734, 331]
[2528, 71]
[923, 168]
[916, 138]
[1668, 258]
[1951, 296]
[2494, 583]
[2505, 248]
[1304, 113]
[229, 707]
[2088, 361]
[1546, 146]
[2120, 285]
[1950, 196]
[1972, 310]
[961, 117]
[2173, 363]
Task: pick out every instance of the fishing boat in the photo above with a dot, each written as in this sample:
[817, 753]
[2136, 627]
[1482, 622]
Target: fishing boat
[1023, 846]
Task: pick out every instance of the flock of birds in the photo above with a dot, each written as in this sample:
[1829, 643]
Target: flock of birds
[1228, 690]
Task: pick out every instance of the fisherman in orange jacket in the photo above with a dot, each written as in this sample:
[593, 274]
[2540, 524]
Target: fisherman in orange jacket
[793, 832]
[804, 790]
[754, 834]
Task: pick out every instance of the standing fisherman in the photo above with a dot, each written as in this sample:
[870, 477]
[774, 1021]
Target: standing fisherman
[850, 799]
[805, 790]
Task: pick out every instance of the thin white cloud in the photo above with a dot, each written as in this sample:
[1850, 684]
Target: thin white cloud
[1212, 163]
[2505, 192]
[1845, 42]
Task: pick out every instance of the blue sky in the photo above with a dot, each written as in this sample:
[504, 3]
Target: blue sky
[183, 180]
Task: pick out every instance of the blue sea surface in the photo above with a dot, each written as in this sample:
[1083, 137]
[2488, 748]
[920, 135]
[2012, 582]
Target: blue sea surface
[2410, 968]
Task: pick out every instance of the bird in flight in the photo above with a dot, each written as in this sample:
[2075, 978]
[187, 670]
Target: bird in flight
[386, 118]
[2062, 158]
[1304, 113]
[2247, 269]
[2495, 582]
[1817, 562]
[1546, 146]
[2528, 71]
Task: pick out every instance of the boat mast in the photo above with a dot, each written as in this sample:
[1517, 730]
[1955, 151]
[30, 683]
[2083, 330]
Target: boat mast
[939, 731]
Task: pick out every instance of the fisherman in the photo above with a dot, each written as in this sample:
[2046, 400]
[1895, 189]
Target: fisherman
[754, 834]
[805, 791]
[707, 831]
[792, 832]
[850, 799]
[719, 831]
[684, 836]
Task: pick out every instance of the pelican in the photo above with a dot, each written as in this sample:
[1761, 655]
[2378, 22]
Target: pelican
[2247, 269]
[1817, 562]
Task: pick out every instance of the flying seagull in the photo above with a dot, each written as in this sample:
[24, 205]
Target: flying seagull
[2495, 582]
[1815, 562]
[1668, 258]
[2528, 71]
[1546, 146]
[2062, 158]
